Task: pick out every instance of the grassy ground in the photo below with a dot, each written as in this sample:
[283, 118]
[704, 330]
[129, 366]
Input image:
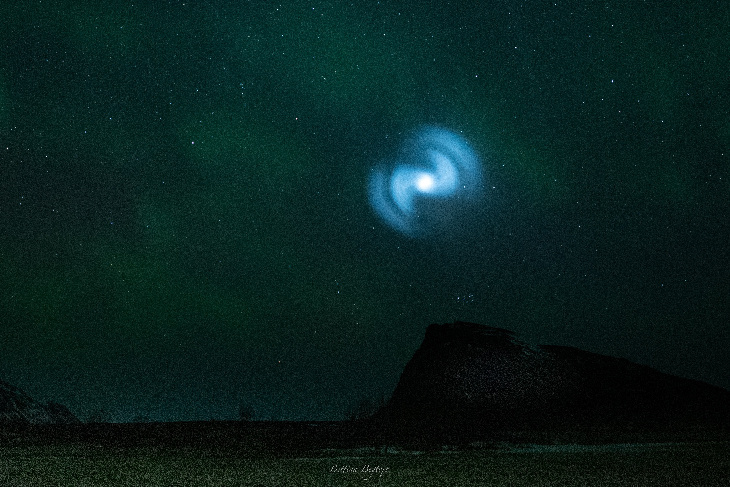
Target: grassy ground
[653, 465]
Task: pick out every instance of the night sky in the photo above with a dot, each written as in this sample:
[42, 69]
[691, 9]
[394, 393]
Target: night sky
[185, 223]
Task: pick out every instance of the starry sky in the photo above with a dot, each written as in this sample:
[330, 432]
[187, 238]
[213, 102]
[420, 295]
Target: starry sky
[184, 217]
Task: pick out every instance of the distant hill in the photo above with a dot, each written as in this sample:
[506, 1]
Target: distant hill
[473, 382]
[18, 407]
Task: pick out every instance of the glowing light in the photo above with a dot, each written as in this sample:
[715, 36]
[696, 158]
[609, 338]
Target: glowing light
[425, 182]
[427, 186]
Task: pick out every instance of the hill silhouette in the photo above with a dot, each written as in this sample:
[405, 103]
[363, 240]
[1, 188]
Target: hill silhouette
[471, 382]
[467, 383]
[17, 407]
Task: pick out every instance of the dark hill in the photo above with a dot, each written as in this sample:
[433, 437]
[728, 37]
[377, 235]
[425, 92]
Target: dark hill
[472, 382]
[17, 407]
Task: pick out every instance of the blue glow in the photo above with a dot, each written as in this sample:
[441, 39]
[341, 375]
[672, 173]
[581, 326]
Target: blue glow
[427, 186]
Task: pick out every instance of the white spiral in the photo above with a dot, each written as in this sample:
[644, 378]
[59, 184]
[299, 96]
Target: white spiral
[428, 185]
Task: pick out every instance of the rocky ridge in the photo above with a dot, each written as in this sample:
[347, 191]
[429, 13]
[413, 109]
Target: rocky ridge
[18, 407]
[470, 381]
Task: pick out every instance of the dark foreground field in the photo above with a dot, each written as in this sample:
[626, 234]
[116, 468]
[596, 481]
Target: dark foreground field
[148, 455]
[625, 465]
